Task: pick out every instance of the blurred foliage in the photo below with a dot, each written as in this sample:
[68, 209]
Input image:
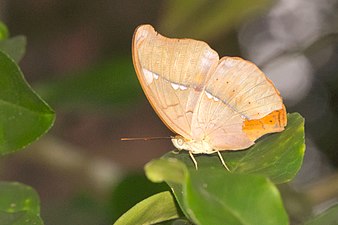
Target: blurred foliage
[15, 47]
[81, 208]
[176, 222]
[157, 208]
[103, 85]
[133, 188]
[297, 204]
[210, 18]
[3, 31]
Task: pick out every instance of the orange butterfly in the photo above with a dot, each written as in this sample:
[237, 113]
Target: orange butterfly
[212, 104]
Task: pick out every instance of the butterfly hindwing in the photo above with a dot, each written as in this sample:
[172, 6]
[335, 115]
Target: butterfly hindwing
[236, 92]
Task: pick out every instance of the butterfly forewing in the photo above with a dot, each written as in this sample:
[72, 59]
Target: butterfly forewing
[172, 73]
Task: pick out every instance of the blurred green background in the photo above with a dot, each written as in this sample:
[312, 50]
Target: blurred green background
[78, 59]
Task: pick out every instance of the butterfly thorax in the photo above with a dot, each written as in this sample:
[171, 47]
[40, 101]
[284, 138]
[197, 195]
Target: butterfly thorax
[195, 146]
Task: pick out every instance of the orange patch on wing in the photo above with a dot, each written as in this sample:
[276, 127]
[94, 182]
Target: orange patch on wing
[273, 122]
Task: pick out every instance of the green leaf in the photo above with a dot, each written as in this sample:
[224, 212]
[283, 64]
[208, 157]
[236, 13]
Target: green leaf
[219, 197]
[20, 218]
[133, 188]
[329, 217]
[15, 47]
[208, 19]
[19, 204]
[3, 31]
[15, 197]
[176, 222]
[157, 208]
[212, 195]
[24, 116]
[278, 156]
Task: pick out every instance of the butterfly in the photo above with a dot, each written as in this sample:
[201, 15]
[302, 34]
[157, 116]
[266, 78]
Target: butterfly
[212, 104]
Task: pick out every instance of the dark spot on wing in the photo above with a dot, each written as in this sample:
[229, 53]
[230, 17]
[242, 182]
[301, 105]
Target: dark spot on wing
[198, 88]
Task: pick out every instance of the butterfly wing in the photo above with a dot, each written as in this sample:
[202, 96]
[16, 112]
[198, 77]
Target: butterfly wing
[172, 73]
[236, 92]
[273, 122]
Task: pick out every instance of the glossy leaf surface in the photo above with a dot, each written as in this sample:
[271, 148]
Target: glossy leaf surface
[246, 195]
[278, 156]
[24, 116]
[157, 208]
[15, 47]
[220, 197]
[19, 205]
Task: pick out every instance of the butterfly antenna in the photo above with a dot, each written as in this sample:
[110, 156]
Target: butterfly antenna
[222, 160]
[143, 138]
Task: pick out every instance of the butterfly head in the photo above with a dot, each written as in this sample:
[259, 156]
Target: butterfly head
[196, 147]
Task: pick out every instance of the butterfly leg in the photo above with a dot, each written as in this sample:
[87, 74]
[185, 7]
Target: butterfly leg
[222, 160]
[193, 159]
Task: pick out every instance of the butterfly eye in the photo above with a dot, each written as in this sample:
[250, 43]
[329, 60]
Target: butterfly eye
[180, 141]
